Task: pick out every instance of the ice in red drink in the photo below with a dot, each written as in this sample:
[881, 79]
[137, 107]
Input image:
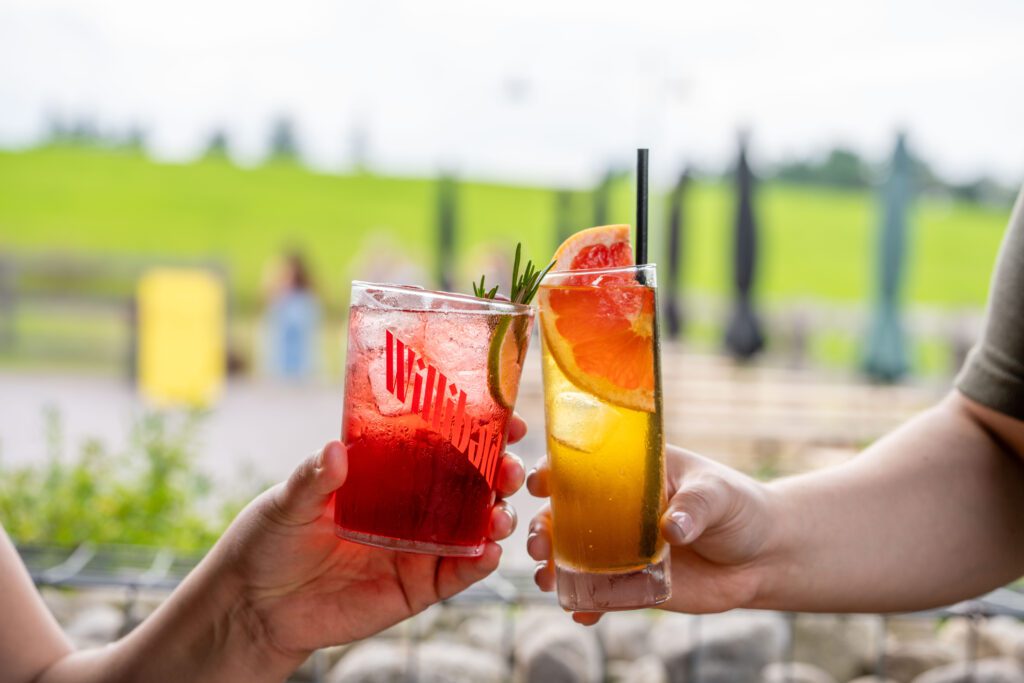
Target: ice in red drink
[431, 379]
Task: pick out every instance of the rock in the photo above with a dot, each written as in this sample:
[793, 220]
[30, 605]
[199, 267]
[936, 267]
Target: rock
[375, 661]
[646, 669]
[906, 661]
[1002, 670]
[625, 635]
[838, 644]
[957, 634]
[486, 631]
[795, 672]
[95, 625]
[732, 648]
[1008, 635]
[433, 662]
[442, 661]
[556, 650]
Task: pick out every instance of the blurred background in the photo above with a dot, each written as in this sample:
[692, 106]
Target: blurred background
[187, 190]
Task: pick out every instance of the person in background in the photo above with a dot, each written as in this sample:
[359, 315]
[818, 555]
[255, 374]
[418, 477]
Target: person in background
[276, 586]
[293, 319]
[929, 515]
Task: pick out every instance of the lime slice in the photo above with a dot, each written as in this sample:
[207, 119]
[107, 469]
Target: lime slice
[505, 359]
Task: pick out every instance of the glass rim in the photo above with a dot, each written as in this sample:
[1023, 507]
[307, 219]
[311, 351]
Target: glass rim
[600, 271]
[478, 305]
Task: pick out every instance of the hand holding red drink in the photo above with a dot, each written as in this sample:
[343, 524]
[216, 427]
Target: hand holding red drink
[307, 589]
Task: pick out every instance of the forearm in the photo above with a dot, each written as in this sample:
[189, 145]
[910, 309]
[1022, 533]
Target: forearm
[929, 515]
[202, 632]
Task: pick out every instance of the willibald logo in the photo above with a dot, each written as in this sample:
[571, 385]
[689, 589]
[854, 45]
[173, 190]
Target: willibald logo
[426, 391]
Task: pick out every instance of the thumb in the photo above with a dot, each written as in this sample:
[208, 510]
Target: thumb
[694, 508]
[307, 492]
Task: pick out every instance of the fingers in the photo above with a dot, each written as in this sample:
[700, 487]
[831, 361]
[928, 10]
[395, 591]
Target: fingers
[537, 480]
[308, 490]
[696, 506]
[587, 618]
[511, 474]
[516, 429]
[455, 574]
[503, 521]
[538, 543]
[544, 576]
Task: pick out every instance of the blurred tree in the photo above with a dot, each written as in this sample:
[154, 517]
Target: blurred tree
[840, 168]
[359, 147]
[283, 140]
[135, 137]
[217, 144]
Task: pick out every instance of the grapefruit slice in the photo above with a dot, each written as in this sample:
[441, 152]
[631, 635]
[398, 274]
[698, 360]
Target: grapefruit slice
[602, 337]
[605, 246]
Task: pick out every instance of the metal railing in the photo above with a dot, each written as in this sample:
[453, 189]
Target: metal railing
[134, 568]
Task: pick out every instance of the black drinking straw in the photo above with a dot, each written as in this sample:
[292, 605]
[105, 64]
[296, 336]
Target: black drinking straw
[641, 207]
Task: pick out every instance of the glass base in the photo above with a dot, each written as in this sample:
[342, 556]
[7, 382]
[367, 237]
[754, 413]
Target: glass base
[405, 545]
[582, 591]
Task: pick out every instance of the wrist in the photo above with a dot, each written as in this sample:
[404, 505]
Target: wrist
[207, 630]
[244, 631]
[772, 559]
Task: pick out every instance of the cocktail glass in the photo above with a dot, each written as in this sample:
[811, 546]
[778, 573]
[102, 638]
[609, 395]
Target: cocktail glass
[430, 383]
[602, 397]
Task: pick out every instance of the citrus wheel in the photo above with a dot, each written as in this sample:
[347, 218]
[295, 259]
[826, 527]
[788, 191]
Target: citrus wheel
[602, 337]
[505, 358]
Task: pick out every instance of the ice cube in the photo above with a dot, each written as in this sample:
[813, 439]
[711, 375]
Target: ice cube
[457, 343]
[386, 402]
[579, 421]
[369, 328]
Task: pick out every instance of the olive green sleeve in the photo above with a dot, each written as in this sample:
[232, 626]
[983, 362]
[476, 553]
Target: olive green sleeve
[994, 372]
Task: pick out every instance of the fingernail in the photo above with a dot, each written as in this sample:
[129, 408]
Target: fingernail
[319, 462]
[681, 527]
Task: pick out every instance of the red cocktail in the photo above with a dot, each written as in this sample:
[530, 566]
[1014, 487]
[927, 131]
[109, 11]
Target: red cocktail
[429, 388]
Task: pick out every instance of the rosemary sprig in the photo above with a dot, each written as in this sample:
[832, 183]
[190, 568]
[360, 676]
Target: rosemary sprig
[482, 292]
[524, 285]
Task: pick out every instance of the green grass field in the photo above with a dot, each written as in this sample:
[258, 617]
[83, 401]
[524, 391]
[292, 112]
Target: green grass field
[817, 244]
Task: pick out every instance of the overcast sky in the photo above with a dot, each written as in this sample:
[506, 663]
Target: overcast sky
[530, 90]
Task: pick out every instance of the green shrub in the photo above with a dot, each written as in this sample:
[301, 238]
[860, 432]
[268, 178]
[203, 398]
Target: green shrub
[150, 494]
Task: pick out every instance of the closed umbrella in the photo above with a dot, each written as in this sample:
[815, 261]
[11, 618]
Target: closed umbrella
[674, 316]
[743, 336]
[886, 357]
[446, 198]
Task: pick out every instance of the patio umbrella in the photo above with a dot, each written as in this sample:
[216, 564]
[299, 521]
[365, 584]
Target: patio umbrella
[743, 336]
[563, 216]
[674, 316]
[886, 357]
[446, 196]
[602, 197]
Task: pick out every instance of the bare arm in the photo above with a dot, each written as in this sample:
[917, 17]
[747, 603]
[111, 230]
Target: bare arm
[30, 639]
[931, 514]
[276, 586]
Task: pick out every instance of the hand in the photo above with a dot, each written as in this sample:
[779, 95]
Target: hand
[304, 588]
[717, 523]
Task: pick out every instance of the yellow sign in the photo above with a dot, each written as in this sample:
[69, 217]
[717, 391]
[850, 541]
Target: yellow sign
[181, 318]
